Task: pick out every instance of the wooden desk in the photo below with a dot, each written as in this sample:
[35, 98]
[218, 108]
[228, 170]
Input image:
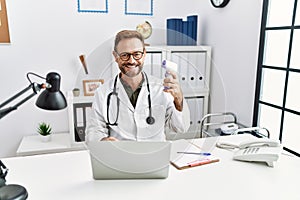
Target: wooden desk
[69, 176]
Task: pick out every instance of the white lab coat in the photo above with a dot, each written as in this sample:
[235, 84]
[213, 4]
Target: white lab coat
[132, 123]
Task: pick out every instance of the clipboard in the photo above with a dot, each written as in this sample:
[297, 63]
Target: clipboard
[187, 155]
[185, 163]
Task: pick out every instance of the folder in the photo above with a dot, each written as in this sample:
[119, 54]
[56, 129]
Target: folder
[200, 65]
[195, 112]
[185, 33]
[81, 111]
[178, 31]
[181, 32]
[180, 59]
[171, 31]
[190, 40]
[156, 65]
[191, 105]
[148, 63]
[199, 112]
[192, 69]
[192, 28]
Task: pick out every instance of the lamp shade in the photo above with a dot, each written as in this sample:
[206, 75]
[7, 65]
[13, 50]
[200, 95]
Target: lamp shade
[52, 98]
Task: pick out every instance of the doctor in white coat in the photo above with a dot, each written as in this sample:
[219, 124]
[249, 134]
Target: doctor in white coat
[134, 105]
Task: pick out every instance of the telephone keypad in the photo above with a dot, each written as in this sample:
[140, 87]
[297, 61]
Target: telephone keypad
[251, 150]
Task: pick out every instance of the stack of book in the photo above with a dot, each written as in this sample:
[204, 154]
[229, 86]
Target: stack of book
[180, 32]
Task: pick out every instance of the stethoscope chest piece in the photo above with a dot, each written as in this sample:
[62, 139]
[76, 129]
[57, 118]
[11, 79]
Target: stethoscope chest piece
[150, 120]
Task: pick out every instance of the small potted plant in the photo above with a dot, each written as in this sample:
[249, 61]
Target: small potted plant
[44, 130]
[76, 92]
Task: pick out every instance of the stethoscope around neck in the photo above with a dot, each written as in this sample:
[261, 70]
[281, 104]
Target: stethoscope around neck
[150, 119]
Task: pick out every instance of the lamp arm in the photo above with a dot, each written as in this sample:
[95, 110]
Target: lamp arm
[34, 86]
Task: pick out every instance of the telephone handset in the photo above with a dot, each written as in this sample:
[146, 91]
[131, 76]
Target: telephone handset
[259, 142]
[260, 150]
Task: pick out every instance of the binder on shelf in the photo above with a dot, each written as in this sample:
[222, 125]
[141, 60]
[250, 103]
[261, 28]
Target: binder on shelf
[191, 106]
[148, 63]
[192, 69]
[181, 32]
[178, 32]
[80, 113]
[195, 105]
[182, 68]
[156, 65]
[192, 28]
[198, 112]
[174, 31]
[185, 33]
[171, 40]
[190, 25]
[200, 65]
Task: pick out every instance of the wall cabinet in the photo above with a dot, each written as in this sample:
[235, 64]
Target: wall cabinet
[194, 64]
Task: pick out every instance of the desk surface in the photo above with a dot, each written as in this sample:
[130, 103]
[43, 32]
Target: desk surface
[32, 145]
[68, 175]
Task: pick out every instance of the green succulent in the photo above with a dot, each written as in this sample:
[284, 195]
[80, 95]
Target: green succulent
[44, 129]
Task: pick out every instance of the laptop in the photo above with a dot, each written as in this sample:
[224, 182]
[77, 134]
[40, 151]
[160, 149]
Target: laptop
[129, 159]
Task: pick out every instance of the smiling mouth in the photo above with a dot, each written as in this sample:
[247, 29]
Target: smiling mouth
[131, 66]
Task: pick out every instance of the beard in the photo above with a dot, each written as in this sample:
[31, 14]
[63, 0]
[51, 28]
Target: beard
[131, 70]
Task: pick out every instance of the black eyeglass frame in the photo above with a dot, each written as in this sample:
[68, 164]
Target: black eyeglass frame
[128, 55]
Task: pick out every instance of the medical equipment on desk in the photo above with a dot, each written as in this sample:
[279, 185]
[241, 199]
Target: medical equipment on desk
[219, 124]
[150, 119]
[216, 124]
[229, 128]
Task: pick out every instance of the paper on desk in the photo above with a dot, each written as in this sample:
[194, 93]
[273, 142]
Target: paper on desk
[180, 146]
[183, 161]
[188, 160]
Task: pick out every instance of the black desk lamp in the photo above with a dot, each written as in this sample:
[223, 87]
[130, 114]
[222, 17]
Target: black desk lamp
[50, 99]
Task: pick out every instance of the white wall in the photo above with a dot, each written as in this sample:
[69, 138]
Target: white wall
[49, 35]
[233, 33]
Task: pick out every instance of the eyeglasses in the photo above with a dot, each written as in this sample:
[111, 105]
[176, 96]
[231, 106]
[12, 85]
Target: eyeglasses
[137, 55]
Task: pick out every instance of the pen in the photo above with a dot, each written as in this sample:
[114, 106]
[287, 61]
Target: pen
[202, 154]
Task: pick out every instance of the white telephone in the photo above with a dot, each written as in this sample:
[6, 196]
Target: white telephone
[260, 150]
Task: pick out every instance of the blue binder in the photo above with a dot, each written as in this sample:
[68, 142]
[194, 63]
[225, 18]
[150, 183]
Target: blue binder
[171, 32]
[178, 32]
[192, 28]
[185, 33]
[181, 32]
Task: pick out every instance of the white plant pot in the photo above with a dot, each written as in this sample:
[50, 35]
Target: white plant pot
[76, 93]
[46, 138]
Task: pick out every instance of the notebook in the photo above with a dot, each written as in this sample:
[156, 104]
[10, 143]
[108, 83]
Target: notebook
[129, 159]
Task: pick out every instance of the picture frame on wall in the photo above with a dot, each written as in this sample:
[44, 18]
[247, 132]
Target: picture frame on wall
[92, 6]
[138, 7]
[90, 86]
[4, 31]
